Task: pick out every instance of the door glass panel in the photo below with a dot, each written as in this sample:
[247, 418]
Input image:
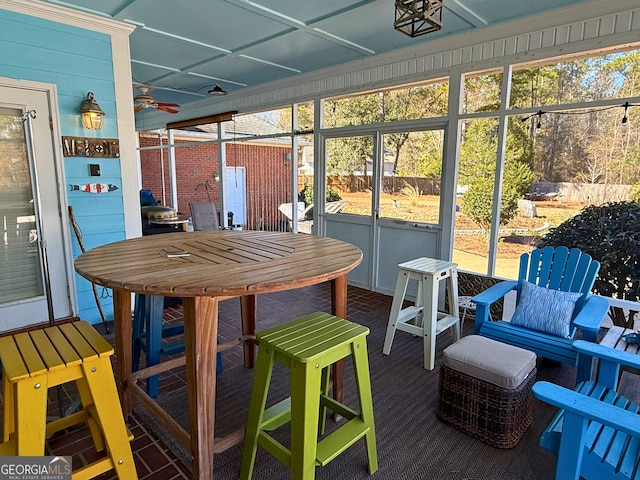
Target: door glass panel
[20, 273]
[412, 170]
[349, 175]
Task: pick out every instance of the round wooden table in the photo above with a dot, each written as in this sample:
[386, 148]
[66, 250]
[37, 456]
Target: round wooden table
[216, 265]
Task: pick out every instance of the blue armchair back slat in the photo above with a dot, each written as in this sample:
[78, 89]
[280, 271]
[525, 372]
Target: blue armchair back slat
[572, 270]
[581, 282]
[559, 269]
[590, 277]
[544, 269]
[557, 264]
[531, 274]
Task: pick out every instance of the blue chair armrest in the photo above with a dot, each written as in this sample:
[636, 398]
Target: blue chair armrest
[587, 407]
[495, 292]
[608, 354]
[610, 361]
[485, 299]
[591, 315]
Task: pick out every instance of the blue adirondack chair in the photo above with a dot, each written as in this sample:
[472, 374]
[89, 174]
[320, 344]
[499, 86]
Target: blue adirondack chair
[596, 434]
[148, 334]
[558, 269]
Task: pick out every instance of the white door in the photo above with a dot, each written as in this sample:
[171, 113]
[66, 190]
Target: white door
[32, 241]
[392, 219]
[235, 192]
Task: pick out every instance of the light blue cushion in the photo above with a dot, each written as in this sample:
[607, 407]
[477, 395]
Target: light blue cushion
[545, 309]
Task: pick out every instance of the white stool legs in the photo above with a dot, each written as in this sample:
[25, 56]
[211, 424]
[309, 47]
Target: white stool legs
[423, 318]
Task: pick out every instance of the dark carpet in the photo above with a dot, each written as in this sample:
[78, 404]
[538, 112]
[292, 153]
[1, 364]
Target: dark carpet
[412, 442]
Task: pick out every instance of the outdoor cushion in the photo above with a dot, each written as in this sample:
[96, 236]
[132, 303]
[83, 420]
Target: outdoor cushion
[545, 309]
[485, 359]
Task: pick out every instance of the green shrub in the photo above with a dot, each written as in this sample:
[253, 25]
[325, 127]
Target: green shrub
[306, 194]
[478, 200]
[477, 204]
[610, 233]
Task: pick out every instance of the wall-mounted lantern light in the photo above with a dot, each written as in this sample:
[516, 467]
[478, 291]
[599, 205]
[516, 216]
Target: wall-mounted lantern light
[92, 114]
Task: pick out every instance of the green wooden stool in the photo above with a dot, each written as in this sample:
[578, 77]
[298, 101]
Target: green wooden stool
[308, 347]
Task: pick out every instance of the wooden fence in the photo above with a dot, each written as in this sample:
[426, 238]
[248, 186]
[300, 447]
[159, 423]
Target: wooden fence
[363, 183]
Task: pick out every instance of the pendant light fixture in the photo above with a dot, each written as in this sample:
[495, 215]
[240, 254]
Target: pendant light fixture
[217, 91]
[417, 17]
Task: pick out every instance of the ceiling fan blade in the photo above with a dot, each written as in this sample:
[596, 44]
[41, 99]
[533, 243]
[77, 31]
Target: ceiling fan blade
[137, 109]
[166, 109]
[168, 104]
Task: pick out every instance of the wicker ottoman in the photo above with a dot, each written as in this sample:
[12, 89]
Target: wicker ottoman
[485, 389]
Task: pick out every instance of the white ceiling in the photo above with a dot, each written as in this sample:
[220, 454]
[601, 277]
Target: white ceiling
[184, 47]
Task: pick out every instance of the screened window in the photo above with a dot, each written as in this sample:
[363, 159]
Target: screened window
[481, 92]
[573, 81]
[407, 103]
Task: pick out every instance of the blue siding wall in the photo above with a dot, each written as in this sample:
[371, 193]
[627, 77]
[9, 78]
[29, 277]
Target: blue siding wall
[77, 61]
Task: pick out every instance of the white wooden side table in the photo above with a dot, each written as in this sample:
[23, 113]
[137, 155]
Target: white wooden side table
[423, 318]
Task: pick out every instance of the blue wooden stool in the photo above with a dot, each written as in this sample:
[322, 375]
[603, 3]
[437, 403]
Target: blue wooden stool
[148, 332]
[308, 347]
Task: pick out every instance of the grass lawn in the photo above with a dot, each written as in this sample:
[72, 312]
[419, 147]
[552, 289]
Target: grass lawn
[424, 208]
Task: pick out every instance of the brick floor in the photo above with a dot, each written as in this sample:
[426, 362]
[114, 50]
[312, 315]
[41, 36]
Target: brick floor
[153, 460]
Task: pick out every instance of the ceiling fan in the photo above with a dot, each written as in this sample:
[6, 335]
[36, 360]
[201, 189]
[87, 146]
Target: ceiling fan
[147, 101]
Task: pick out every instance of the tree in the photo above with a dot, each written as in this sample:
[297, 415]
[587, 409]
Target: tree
[635, 193]
[305, 117]
[477, 203]
[350, 154]
[477, 169]
[610, 233]
[578, 144]
[409, 103]
[478, 200]
[422, 155]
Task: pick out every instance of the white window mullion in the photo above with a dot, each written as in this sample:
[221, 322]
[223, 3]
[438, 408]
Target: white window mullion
[497, 190]
[451, 164]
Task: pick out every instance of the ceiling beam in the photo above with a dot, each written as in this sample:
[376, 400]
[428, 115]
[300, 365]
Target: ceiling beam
[169, 89]
[464, 12]
[299, 25]
[177, 37]
[216, 79]
[221, 50]
[220, 117]
[122, 7]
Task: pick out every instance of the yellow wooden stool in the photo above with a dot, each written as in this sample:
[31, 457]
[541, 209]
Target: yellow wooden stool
[308, 347]
[32, 362]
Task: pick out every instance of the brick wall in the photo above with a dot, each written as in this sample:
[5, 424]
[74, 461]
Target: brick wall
[267, 170]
